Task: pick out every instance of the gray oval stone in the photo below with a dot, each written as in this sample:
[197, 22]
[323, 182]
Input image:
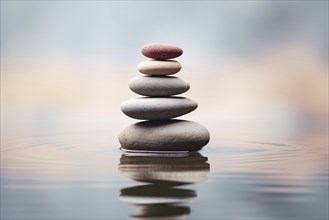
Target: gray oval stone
[159, 67]
[166, 135]
[158, 85]
[157, 108]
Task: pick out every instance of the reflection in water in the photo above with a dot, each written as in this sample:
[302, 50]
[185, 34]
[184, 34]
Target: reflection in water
[256, 178]
[159, 198]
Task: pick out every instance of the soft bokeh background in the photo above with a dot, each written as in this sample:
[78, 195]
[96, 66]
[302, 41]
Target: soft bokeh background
[258, 69]
[254, 67]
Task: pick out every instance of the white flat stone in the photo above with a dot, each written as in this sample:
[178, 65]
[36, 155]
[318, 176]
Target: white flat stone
[158, 85]
[159, 67]
[166, 135]
[157, 108]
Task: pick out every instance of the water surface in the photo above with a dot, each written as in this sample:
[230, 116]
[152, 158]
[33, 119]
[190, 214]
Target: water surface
[87, 177]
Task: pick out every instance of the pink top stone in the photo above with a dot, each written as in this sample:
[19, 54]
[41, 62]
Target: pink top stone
[161, 51]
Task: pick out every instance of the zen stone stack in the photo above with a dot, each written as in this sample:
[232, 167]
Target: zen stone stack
[159, 131]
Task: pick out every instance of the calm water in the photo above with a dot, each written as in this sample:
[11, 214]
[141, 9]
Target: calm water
[84, 177]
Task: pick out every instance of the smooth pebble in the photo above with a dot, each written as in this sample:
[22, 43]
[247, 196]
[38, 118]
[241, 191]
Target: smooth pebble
[158, 85]
[161, 51]
[166, 135]
[157, 108]
[159, 67]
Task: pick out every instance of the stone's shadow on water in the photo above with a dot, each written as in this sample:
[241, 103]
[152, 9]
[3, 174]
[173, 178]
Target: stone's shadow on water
[160, 198]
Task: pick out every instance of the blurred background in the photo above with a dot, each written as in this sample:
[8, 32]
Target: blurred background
[254, 67]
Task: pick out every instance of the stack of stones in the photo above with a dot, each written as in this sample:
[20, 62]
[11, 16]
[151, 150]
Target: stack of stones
[160, 132]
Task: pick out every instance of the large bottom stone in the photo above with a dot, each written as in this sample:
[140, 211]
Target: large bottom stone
[165, 135]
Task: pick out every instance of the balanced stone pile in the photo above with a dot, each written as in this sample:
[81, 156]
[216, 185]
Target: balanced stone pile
[160, 132]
